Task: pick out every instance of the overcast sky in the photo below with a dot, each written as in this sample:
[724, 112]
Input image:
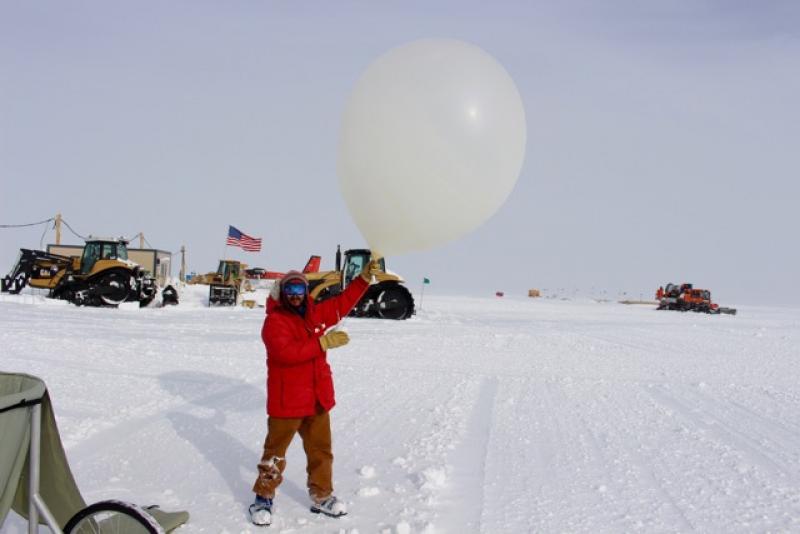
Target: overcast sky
[663, 137]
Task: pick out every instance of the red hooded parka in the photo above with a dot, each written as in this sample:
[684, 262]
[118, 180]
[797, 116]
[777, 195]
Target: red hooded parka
[298, 374]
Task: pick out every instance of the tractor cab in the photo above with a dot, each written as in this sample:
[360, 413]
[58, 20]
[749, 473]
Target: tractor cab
[229, 270]
[354, 262]
[95, 250]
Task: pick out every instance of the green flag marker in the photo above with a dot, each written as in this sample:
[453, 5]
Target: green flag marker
[422, 290]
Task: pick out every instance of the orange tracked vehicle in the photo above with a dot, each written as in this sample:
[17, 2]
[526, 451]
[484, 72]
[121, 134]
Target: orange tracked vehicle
[686, 297]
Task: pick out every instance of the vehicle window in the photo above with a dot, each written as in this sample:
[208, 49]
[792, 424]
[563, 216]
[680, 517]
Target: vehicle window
[108, 251]
[91, 253]
[354, 266]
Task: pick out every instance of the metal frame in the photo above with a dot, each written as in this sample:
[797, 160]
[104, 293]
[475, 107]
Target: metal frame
[36, 504]
[37, 507]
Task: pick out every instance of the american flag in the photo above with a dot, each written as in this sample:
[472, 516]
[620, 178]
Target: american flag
[238, 239]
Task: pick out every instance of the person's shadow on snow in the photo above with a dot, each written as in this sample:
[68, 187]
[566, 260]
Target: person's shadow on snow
[229, 456]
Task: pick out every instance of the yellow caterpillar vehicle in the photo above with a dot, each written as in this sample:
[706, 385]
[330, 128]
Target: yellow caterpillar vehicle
[386, 298]
[101, 276]
[225, 284]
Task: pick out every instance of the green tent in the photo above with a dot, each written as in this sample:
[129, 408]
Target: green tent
[31, 444]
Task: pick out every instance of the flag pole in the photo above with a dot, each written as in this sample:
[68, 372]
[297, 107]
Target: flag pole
[225, 248]
[421, 294]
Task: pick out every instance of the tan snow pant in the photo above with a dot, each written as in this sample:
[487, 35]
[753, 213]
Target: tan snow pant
[315, 431]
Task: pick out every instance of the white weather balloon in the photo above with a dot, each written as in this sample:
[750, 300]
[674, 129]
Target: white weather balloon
[432, 143]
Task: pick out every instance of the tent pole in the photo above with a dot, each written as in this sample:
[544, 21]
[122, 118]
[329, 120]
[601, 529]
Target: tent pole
[33, 468]
[35, 502]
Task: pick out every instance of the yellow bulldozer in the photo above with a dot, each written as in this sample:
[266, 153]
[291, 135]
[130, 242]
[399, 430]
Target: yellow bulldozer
[226, 284]
[386, 298]
[101, 276]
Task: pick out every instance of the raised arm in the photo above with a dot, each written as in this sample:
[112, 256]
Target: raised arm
[334, 309]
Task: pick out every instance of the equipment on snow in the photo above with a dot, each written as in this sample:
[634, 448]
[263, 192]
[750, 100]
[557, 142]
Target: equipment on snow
[387, 298]
[685, 297]
[101, 276]
[169, 296]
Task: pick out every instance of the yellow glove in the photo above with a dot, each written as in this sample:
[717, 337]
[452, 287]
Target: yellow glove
[371, 269]
[334, 339]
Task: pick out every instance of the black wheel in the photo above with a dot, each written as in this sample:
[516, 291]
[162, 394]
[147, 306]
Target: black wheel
[367, 306]
[395, 302]
[112, 517]
[113, 288]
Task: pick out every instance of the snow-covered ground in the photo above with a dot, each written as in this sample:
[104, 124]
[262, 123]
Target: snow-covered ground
[496, 415]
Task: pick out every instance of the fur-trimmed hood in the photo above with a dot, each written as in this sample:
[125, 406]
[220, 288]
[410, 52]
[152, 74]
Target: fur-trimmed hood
[276, 296]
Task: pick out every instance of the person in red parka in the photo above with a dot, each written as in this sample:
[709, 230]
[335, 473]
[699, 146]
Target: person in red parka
[300, 394]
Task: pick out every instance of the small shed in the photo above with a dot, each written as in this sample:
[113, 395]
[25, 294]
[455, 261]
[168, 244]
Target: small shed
[534, 293]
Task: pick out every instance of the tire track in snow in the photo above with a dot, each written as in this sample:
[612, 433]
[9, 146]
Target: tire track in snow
[519, 466]
[638, 466]
[563, 481]
[468, 463]
[614, 471]
[706, 416]
[790, 432]
[730, 481]
[426, 454]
